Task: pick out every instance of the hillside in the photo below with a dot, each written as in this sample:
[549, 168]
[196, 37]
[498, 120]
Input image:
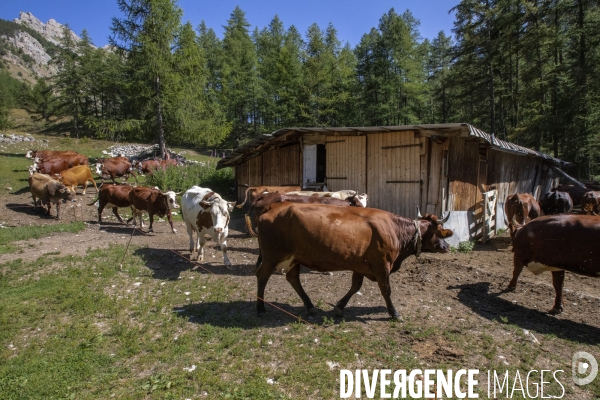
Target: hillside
[27, 46]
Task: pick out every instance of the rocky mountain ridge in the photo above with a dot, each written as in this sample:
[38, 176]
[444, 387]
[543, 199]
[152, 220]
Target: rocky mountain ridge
[26, 45]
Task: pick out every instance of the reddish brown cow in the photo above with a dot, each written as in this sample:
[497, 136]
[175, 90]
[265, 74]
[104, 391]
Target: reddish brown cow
[256, 191]
[51, 167]
[49, 191]
[47, 153]
[113, 196]
[369, 242]
[264, 202]
[521, 208]
[154, 202]
[75, 176]
[73, 160]
[590, 204]
[112, 168]
[557, 243]
[147, 166]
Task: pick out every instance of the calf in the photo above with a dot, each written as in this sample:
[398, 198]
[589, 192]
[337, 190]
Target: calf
[590, 203]
[557, 243]
[556, 202]
[75, 176]
[113, 196]
[205, 212]
[112, 168]
[49, 191]
[369, 242]
[521, 208]
[154, 202]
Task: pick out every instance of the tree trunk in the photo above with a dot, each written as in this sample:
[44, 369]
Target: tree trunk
[159, 120]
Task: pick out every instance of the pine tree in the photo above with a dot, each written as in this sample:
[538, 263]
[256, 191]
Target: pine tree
[147, 35]
[68, 81]
[239, 77]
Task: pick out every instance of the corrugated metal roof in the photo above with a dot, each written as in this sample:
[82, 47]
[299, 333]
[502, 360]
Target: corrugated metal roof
[265, 142]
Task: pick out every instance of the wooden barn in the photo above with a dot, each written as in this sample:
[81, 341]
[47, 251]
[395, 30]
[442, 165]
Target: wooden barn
[440, 167]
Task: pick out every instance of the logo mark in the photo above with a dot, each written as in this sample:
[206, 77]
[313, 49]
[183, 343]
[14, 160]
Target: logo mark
[580, 367]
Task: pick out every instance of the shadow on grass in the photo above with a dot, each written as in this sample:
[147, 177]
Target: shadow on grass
[30, 209]
[242, 314]
[490, 306]
[167, 264]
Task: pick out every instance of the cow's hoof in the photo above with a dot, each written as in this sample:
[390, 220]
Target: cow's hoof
[338, 312]
[174, 231]
[396, 318]
[555, 311]
[511, 288]
[313, 310]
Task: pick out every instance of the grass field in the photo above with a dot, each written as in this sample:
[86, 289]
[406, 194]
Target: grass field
[142, 322]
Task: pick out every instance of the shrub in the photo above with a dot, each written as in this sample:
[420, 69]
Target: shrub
[463, 247]
[182, 178]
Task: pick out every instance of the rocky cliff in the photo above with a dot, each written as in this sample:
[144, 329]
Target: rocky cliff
[26, 46]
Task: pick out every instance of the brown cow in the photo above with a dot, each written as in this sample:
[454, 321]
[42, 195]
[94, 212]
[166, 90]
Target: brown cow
[256, 191]
[49, 191]
[75, 176]
[146, 166]
[521, 208]
[264, 202]
[557, 243]
[556, 202]
[369, 242]
[113, 196]
[590, 204]
[73, 160]
[154, 202]
[51, 167]
[47, 153]
[112, 168]
[575, 192]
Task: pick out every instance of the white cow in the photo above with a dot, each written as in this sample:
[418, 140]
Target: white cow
[205, 212]
[340, 194]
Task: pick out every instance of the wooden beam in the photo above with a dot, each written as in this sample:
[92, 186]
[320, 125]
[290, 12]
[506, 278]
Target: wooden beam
[568, 177]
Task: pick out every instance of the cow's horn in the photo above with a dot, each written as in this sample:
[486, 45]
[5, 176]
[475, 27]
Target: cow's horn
[419, 212]
[177, 193]
[445, 219]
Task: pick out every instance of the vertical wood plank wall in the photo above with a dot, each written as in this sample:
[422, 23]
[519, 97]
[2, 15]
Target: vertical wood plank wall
[463, 158]
[346, 158]
[368, 168]
[395, 164]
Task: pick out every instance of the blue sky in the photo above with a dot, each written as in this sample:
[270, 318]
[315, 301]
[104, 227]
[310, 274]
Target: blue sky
[351, 18]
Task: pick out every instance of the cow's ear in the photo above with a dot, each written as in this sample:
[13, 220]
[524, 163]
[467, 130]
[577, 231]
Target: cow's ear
[445, 233]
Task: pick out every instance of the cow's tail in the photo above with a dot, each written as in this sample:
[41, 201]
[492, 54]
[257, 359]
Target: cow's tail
[241, 205]
[95, 200]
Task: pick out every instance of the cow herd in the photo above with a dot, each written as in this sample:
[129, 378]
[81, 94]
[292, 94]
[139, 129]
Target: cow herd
[329, 231]
[546, 237]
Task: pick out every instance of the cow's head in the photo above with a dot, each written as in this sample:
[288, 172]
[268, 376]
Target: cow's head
[433, 239]
[360, 200]
[30, 153]
[99, 168]
[64, 193]
[33, 169]
[171, 199]
[219, 210]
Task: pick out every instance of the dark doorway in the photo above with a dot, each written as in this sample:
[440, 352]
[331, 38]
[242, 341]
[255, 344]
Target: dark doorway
[321, 163]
